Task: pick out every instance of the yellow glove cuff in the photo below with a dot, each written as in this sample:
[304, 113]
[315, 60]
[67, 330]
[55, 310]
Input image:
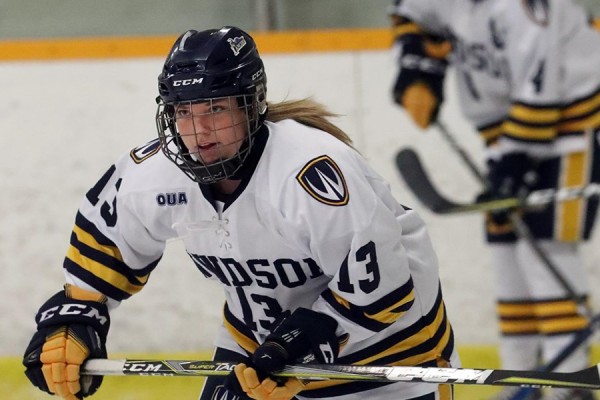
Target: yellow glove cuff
[439, 50]
[420, 103]
[267, 389]
[77, 293]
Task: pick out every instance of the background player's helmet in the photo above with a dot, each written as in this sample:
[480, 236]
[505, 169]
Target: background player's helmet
[204, 66]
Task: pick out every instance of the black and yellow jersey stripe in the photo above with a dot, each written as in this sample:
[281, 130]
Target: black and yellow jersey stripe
[534, 123]
[427, 342]
[96, 260]
[548, 317]
[377, 315]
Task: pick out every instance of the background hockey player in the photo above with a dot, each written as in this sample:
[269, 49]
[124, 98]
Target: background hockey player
[317, 260]
[528, 79]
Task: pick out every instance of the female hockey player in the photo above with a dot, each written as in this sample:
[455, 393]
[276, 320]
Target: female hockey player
[316, 258]
[527, 76]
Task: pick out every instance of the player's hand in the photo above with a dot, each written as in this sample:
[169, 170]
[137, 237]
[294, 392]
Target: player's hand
[495, 220]
[512, 175]
[420, 82]
[69, 332]
[305, 335]
[421, 103]
[267, 388]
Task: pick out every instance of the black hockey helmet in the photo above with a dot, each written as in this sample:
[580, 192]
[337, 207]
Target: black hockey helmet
[204, 66]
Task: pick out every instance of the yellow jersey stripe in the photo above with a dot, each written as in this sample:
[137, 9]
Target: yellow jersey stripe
[570, 221]
[589, 122]
[104, 273]
[535, 115]
[389, 315]
[563, 325]
[508, 310]
[415, 340]
[244, 341]
[490, 135]
[89, 240]
[524, 326]
[554, 308]
[535, 133]
[341, 300]
[582, 107]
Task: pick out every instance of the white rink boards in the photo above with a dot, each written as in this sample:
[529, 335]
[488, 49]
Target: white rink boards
[64, 122]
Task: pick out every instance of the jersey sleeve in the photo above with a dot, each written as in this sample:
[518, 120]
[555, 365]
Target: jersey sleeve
[347, 220]
[428, 14]
[110, 250]
[554, 56]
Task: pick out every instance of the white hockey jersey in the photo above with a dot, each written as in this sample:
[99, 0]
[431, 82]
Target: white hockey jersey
[311, 226]
[527, 71]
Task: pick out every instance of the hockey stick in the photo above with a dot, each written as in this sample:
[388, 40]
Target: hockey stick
[422, 184]
[410, 167]
[520, 228]
[579, 338]
[461, 152]
[413, 172]
[588, 378]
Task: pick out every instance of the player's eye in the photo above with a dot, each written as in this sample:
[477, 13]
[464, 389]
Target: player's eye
[218, 108]
[183, 113]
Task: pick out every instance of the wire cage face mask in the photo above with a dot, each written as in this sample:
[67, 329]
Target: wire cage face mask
[212, 101]
[209, 139]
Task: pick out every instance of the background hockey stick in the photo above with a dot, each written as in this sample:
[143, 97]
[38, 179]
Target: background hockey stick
[417, 179]
[577, 341]
[426, 192]
[410, 167]
[412, 171]
[521, 229]
[462, 153]
[588, 378]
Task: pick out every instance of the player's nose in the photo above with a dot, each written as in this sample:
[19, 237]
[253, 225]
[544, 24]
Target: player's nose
[203, 124]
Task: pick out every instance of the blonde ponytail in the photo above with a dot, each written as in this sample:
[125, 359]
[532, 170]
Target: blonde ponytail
[307, 112]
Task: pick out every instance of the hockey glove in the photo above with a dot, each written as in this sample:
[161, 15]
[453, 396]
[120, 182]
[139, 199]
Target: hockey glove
[510, 176]
[267, 388]
[302, 337]
[71, 327]
[420, 82]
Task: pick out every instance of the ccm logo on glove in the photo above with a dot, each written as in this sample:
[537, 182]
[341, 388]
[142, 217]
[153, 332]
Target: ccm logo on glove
[71, 327]
[73, 309]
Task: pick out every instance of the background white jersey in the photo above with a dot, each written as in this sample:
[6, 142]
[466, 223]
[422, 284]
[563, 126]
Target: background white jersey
[528, 76]
[527, 71]
[313, 226]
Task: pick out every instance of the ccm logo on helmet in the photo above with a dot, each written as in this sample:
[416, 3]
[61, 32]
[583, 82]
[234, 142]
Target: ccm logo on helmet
[257, 74]
[188, 82]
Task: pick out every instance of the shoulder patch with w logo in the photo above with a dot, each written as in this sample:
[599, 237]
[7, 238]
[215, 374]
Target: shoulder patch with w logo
[323, 180]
